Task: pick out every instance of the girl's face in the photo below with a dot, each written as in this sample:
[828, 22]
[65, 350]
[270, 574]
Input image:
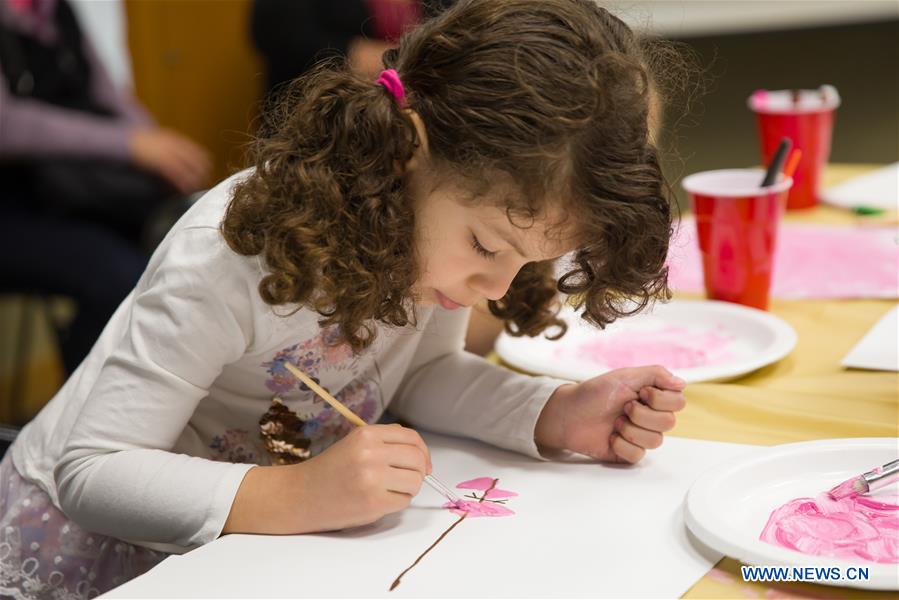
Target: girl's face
[469, 251]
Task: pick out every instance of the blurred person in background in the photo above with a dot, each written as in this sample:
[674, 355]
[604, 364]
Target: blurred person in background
[359, 30]
[84, 171]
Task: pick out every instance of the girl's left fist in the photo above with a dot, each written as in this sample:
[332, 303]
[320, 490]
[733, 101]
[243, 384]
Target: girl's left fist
[614, 417]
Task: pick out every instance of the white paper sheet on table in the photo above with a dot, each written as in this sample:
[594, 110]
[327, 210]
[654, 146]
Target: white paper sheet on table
[580, 530]
[879, 349]
[878, 189]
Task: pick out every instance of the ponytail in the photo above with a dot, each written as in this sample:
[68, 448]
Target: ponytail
[325, 206]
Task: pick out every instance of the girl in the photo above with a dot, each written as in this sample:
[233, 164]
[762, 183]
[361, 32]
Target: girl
[507, 134]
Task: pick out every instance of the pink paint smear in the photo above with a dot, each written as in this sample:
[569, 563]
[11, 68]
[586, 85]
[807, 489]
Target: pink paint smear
[671, 347]
[851, 528]
[488, 504]
[811, 261]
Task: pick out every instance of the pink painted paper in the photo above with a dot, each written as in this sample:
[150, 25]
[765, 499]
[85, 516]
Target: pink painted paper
[671, 346]
[488, 504]
[852, 528]
[811, 261]
[479, 509]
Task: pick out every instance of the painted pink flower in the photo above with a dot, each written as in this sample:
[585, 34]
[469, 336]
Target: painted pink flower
[479, 509]
[480, 483]
[488, 504]
[486, 483]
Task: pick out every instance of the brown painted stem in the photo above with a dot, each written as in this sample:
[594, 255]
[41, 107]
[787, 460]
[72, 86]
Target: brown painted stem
[396, 581]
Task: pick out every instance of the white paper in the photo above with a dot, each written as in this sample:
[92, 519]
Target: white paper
[581, 529]
[879, 349]
[878, 189]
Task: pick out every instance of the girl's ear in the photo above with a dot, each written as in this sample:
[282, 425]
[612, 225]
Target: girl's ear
[420, 156]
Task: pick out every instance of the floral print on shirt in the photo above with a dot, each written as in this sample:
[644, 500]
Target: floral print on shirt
[310, 357]
[318, 356]
[233, 446]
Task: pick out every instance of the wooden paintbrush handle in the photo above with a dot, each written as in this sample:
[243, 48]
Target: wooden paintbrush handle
[350, 415]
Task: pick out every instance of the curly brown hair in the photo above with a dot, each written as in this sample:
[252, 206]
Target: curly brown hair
[555, 94]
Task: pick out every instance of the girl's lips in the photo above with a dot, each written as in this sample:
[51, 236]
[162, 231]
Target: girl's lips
[446, 302]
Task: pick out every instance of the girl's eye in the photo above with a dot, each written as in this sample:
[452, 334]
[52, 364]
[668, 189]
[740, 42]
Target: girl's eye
[480, 249]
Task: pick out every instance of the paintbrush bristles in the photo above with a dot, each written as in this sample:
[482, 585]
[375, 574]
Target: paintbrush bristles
[849, 488]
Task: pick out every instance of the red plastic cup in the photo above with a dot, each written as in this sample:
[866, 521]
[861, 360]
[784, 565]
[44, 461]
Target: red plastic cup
[806, 117]
[737, 222]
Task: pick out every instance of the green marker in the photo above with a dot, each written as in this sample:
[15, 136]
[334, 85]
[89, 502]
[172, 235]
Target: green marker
[867, 211]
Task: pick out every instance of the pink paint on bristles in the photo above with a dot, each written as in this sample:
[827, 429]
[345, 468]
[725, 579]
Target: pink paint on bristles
[847, 489]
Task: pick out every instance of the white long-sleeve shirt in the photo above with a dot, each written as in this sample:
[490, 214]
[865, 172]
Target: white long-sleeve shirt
[152, 435]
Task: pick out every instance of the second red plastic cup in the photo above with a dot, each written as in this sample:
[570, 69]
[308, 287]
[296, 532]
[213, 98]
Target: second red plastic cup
[737, 222]
[806, 117]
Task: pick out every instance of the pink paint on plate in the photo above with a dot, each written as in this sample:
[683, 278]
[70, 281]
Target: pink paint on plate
[852, 528]
[670, 346]
[811, 261]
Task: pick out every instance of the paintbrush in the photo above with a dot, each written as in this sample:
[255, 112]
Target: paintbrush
[874, 479]
[353, 418]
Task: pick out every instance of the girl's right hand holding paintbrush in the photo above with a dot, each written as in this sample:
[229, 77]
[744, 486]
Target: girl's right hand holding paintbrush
[373, 471]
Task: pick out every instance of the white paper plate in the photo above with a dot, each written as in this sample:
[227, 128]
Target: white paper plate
[697, 340]
[727, 508]
[878, 189]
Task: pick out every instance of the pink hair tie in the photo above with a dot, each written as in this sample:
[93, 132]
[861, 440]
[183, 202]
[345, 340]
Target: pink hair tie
[390, 79]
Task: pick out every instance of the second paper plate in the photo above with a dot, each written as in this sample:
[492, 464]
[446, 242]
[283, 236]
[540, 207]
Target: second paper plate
[697, 340]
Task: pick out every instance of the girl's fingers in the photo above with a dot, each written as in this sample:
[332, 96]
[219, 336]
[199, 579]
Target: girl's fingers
[397, 501]
[405, 456]
[656, 376]
[648, 418]
[404, 481]
[636, 435]
[626, 451]
[665, 400]
[397, 434]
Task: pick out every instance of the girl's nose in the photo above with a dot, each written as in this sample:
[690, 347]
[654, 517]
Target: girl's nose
[493, 285]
